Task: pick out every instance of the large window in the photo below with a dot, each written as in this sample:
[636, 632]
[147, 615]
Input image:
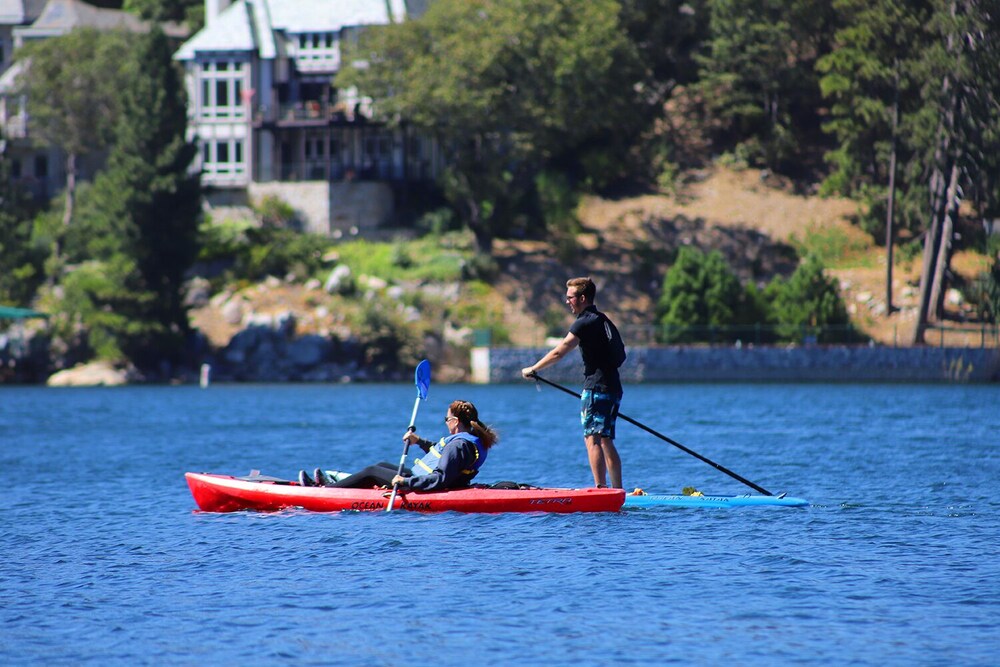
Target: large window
[221, 95]
[315, 51]
[223, 158]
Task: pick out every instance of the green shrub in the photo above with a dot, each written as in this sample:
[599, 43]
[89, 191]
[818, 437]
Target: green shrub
[702, 300]
[221, 240]
[700, 293]
[388, 341]
[666, 179]
[808, 301]
[274, 211]
[985, 294]
[992, 245]
[438, 222]
[476, 309]
[271, 251]
[98, 308]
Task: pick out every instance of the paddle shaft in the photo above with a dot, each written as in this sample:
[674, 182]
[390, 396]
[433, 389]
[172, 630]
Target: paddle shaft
[402, 459]
[693, 453]
[399, 471]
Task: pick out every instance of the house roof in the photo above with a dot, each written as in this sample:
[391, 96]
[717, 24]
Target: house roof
[297, 16]
[231, 30]
[61, 16]
[17, 12]
[250, 25]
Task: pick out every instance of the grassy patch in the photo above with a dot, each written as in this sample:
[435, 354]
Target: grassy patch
[431, 258]
[837, 247]
[480, 307]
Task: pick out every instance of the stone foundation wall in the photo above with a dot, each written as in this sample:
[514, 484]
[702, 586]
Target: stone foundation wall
[333, 208]
[803, 364]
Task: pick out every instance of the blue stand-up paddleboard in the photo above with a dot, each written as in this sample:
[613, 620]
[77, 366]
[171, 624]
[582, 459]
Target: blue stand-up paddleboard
[691, 496]
[654, 500]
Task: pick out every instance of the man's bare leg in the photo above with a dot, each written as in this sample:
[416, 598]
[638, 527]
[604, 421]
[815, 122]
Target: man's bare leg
[612, 462]
[597, 458]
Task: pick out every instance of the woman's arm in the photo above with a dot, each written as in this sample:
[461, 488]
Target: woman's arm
[455, 458]
[414, 439]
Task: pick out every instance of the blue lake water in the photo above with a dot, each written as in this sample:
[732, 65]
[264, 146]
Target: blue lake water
[897, 560]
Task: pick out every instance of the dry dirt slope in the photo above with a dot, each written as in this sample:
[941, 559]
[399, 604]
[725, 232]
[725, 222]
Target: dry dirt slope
[751, 218]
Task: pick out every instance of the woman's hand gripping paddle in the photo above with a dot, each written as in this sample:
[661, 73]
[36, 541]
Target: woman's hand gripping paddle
[421, 378]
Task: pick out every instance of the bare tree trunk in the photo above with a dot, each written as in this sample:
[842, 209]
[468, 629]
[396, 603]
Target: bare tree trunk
[936, 298]
[931, 240]
[892, 200]
[67, 211]
[945, 163]
[484, 239]
[70, 189]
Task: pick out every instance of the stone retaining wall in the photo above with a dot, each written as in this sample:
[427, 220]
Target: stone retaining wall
[759, 364]
[347, 208]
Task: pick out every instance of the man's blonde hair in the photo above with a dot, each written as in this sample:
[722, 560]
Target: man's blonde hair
[584, 286]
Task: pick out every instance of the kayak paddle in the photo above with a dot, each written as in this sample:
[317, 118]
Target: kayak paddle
[665, 439]
[421, 378]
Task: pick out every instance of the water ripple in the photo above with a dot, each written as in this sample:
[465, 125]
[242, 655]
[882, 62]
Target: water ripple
[895, 561]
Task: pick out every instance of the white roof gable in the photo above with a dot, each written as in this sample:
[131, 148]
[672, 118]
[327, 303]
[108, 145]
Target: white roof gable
[296, 16]
[249, 25]
[230, 31]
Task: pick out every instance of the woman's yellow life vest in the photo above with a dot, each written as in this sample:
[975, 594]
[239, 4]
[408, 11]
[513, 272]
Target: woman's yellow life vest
[427, 463]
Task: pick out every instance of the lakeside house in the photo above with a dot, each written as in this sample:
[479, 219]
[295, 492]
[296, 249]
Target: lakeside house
[263, 108]
[268, 119]
[41, 169]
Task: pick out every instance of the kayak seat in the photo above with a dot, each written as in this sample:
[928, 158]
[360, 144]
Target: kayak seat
[504, 485]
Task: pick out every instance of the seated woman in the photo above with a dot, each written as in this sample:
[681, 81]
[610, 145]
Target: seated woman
[451, 463]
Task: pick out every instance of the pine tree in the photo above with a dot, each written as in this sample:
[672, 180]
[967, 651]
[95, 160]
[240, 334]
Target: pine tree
[757, 76]
[963, 97]
[700, 293]
[20, 260]
[149, 192]
[808, 299]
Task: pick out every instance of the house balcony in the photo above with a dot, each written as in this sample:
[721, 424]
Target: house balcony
[309, 113]
[339, 170]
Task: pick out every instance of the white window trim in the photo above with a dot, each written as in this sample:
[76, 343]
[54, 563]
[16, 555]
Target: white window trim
[227, 77]
[232, 149]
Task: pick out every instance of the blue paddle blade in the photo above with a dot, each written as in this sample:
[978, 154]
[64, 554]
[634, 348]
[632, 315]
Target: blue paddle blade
[422, 378]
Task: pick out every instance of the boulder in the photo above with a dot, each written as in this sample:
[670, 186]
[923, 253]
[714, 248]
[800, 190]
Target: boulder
[307, 351]
[97, 373]
[340, 280]
[197, 292]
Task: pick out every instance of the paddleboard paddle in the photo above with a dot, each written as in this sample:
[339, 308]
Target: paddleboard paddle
[693, 453]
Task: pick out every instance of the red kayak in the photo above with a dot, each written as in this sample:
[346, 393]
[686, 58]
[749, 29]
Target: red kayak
[224, 493]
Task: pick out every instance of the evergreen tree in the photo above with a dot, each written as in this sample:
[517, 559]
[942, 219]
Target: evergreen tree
[190, 11]
[700, 293]
[146, 205]
[757, 76]
[872, 77]
[961, 98]
[808, 301]
[20, 259]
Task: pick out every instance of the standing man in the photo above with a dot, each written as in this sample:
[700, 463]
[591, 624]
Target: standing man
[603, 352]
